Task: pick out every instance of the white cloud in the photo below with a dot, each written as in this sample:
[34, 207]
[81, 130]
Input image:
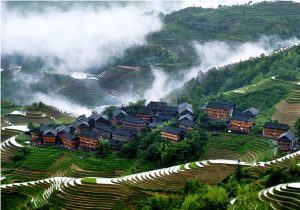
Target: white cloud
[80, 37]
[213, 54]
[62, 104]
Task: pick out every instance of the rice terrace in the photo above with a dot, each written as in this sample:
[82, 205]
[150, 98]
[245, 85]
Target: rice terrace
[163, 105]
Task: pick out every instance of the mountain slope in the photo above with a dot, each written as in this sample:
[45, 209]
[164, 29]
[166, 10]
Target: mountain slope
[288, 110]
[170, 49]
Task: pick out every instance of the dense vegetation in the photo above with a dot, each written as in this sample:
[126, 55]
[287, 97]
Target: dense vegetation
[151, 147]
[254, 88]
[244, 185]
[171, 47]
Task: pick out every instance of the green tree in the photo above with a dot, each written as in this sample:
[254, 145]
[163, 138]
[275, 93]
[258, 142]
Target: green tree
[215, 198]
[30, 126]
[102, 148]
[166, 152]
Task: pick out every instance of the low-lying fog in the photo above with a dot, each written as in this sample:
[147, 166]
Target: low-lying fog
[82, 36]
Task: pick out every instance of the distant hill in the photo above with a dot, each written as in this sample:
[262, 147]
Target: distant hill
[262, 83]
[170, 49]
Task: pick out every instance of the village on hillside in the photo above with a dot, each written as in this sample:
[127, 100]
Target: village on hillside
[124, 124]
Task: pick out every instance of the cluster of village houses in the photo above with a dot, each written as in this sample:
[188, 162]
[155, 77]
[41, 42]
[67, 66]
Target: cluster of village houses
[123, 127]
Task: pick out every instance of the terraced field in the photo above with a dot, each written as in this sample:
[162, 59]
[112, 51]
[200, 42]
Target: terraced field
[35, 114]
[259, 86]
[239, 147]
[283, 196]
[288, 110]
[105, 193]
[9, 147]
[250, 88]
[42, 162]
[6, 134]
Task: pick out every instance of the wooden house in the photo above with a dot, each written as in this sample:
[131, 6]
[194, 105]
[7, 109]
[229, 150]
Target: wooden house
[72, 128]
[61, 130]
[104, 131]
[162, 108]
[133, 123]
[88, 139]
[252, 112]
[287, 141]
[70, 141]
[98, 120]
[122, 135]
[240, 123]
[89, 120]
[36, 133]
[144, 114]
[186, 122]
[187, 117]
[50, 136]
[185, 108]
[274, 130]
[81, 125]
[219, 110]
[186, 125]
[172, 134]
[118, 115]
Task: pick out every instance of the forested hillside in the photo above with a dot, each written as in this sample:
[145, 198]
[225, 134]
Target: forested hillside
[171, 47]
[283, 66]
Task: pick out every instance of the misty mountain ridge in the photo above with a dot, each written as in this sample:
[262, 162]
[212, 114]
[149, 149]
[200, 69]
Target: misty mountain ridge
[169, 54]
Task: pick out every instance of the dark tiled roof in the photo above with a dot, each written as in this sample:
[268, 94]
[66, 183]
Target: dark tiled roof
[185, 107]
[122, 132]
[89, 134]
[155, 124]
[83, 117]
[161, 106]
[251, 111]
[182, 109]
[185, 104]
[287, 136]
[105, 128]
[187, 123]
[157, 103]
[144, 112]
[117, 112]
[69, 136]
[134, 120]
[81, 123]
[41, 129]
[169, 108]
[172, 130]
[219, 105]
[50, 132]
[276, 126]
[63, 128]
[242, 117]
[72, 126]
[187, 117]
[97, 117]
[163, 117]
